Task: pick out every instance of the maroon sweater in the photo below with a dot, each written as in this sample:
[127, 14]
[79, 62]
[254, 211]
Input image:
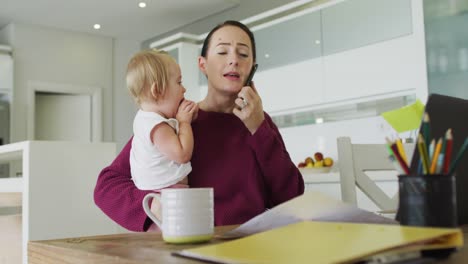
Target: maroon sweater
[249, 173]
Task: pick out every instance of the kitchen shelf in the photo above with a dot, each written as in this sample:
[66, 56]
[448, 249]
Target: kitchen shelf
[350, 109]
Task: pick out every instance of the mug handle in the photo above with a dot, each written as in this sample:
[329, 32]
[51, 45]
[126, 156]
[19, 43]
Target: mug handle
[148, 210]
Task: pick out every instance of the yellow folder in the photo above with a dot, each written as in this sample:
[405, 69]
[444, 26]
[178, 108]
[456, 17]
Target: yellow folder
[325, 242]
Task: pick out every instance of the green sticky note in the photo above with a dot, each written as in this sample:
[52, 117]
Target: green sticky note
[405, 118]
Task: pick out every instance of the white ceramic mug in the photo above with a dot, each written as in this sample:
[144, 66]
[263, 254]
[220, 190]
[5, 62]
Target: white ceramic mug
[187, 214]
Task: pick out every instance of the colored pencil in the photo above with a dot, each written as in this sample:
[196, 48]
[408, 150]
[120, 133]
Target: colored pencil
[448, 151]
[426, 129]
[440, 161]
[396, 165]
[393, 151]
[401, 150]
[431, 150]
[459, 156]
[435, 157]
[423, 154]
[398, 157]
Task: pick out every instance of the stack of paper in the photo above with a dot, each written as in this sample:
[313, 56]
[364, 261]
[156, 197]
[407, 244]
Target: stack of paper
[314, 228]
[314, 206]
[325, 242]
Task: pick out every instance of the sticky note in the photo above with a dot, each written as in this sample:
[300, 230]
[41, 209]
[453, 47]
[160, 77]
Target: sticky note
[405, 118]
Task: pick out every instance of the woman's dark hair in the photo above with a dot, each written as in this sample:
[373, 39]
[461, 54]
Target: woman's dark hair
[234, 23]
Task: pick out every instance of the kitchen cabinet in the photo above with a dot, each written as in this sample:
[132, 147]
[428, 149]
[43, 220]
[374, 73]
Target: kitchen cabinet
[447, 47]
[382, 68]
[353, 24]
[186, 54]
[288, 40]
[56, 189]
[327, 55]
[361, 50]
[285, 48]
[289, 87]
[371, 48]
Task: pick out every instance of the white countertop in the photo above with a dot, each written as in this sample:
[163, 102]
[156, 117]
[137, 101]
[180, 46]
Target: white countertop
[333, 176]
[12, 151]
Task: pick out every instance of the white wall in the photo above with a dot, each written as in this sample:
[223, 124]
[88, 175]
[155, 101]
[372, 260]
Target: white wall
[57, 56]
[75, 58]
[5, 35]
[124, 108]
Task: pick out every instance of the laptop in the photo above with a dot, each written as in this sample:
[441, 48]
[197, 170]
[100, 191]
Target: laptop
[450, 112]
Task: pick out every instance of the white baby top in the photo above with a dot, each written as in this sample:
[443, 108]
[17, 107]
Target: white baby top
[150, 169]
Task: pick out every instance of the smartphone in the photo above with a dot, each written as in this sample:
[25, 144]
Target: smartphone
[251, 75]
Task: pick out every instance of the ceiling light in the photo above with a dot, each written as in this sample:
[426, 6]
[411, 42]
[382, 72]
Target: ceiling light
[97, 26]
[142, 4]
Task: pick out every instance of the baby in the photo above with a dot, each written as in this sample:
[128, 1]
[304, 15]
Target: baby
[162, 144]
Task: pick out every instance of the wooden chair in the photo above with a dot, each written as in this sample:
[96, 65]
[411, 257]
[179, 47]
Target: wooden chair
[357, 159]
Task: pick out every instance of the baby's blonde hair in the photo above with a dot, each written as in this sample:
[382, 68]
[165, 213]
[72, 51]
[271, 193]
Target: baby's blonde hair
[146, 68]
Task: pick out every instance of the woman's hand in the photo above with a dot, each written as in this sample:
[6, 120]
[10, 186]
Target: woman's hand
[250, 109]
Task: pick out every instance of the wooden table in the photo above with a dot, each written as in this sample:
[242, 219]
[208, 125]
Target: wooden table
[122, 248]
[139, 248]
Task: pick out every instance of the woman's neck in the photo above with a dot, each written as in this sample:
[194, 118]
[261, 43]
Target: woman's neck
[217, 103]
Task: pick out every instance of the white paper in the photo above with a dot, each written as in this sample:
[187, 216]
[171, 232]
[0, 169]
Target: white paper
[311, 206]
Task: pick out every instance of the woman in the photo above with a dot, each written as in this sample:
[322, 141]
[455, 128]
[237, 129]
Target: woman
[238, 150]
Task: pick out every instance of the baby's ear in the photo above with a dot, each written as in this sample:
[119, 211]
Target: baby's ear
[154, 92]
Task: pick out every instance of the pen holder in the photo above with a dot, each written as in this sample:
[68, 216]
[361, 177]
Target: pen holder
[429, 201]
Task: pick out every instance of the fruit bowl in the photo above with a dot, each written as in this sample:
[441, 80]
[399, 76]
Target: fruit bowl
[315, 170]
[321, 164]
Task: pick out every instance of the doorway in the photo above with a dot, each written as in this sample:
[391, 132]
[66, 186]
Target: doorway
[64, 112]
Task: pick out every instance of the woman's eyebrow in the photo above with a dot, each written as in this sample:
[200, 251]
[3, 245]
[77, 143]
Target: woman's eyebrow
[229, 44]
[243, 44]
[223, 44]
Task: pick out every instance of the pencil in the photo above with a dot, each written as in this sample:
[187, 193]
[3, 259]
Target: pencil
[431, 151]
[426, 129]
[458, 157]
[423, 154]
[403, 165]
[401, 150]
[440, 160]
[435, 157]
[396, 165]
[448, 151]
[396, 159]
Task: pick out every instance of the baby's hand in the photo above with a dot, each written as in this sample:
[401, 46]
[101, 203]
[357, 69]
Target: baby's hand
[195, 113]
[186, 111]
